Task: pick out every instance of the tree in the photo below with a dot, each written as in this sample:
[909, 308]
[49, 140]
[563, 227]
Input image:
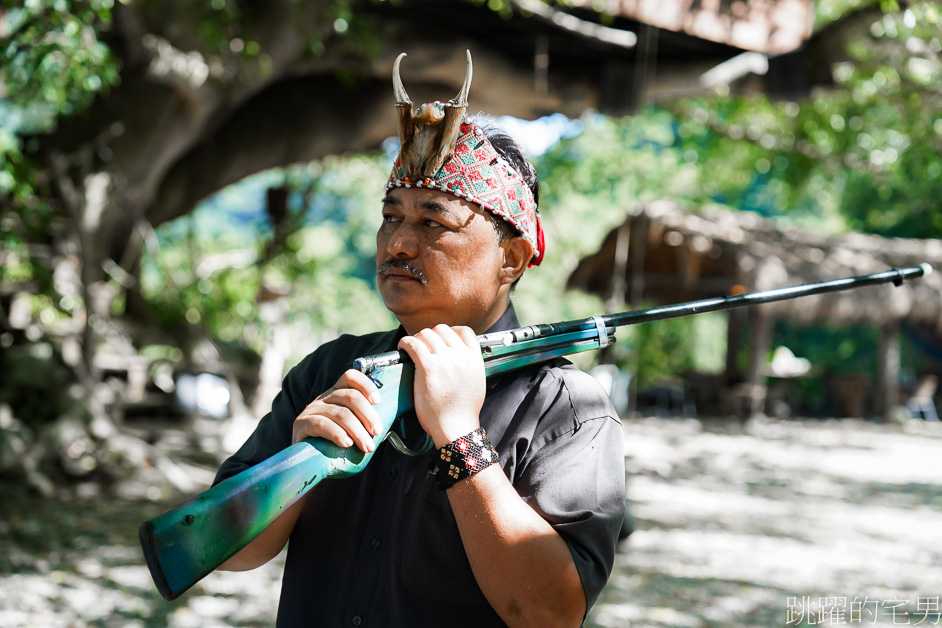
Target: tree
[120, 117]
[862, 153]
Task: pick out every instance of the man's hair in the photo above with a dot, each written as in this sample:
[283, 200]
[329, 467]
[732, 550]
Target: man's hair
[511, 152]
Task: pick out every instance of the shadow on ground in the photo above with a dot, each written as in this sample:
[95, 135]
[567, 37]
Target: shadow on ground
[790, 523]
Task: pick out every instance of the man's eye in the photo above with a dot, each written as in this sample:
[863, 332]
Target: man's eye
[388, 218]
[432, 223]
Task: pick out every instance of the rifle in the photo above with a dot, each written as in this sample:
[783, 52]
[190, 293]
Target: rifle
[185, 544]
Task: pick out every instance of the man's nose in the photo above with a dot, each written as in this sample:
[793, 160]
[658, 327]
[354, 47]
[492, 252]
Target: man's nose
[402, 242]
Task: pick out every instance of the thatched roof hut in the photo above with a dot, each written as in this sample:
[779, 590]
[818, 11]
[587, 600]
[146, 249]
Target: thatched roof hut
[665, 255]
[690, 256]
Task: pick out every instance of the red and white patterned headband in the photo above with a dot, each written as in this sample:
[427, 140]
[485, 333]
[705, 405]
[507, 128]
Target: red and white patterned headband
[441, 149]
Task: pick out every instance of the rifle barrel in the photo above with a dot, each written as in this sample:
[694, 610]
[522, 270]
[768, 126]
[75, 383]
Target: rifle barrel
[535, 334]
[895, 276]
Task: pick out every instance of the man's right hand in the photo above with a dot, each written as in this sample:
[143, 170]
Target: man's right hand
[343, 414]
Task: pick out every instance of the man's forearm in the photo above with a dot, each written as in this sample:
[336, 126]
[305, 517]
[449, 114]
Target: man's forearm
[267, 545]
[524, 568]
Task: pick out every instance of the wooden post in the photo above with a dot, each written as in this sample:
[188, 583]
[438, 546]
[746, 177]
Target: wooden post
[759, 338]
[619, 288]
[888, 362]
[616, 297]
[733, 339]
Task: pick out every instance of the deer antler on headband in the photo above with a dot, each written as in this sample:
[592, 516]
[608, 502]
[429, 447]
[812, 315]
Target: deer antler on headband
[427, 136]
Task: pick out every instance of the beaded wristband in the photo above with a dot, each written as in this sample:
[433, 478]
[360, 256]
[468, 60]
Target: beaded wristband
[463, 458]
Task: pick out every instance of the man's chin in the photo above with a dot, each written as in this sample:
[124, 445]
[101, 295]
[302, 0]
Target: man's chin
[401, 291]
[412, 314]
[401, 304]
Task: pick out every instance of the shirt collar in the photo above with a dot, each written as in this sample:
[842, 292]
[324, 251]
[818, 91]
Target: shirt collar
[507, 320]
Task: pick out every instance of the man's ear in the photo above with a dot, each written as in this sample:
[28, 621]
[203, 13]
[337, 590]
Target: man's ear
[517, 254]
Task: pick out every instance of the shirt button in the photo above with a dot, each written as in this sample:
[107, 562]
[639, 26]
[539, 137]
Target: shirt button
[357, 620]
[393, 473]
[375, 543]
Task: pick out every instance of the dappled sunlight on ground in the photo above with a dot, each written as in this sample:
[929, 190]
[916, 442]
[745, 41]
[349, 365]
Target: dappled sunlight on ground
[115, 590]
[751, 526]
[738, 526]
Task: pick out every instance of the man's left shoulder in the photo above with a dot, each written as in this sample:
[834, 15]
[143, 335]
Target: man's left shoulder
[583, 392]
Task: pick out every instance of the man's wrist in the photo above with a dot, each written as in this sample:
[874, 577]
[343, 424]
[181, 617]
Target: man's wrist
[455, 430]
[463, 457]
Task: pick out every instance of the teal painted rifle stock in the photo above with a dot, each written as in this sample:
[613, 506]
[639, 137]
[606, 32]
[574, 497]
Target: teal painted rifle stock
[185, 544]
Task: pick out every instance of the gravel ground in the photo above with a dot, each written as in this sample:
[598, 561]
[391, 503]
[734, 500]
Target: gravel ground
[792, 523]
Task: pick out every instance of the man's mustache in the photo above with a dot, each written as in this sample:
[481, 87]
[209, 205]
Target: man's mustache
[401, 264]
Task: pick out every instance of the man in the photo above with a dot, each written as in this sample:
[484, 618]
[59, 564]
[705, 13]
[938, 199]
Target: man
[517, 524]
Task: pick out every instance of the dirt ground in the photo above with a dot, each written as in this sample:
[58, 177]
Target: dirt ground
[789, 523]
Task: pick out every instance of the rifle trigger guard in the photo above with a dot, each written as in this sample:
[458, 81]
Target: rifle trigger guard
[374, 379]
[402, 448]
[604, 340]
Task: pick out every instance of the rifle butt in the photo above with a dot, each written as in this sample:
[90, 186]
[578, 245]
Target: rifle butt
[185, 544]
[188, 542]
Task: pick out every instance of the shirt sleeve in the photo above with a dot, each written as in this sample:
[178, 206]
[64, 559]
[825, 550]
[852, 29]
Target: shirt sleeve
[575, 476]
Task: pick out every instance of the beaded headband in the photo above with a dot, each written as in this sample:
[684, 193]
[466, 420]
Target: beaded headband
[443, 150]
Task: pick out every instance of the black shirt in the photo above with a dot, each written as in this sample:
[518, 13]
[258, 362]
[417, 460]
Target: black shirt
[382, 548]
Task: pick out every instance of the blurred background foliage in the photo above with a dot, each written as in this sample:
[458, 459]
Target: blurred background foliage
[211, 266]
[54, 61]
[862, 155]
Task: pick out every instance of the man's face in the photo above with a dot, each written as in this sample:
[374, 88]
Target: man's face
[438, 260]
